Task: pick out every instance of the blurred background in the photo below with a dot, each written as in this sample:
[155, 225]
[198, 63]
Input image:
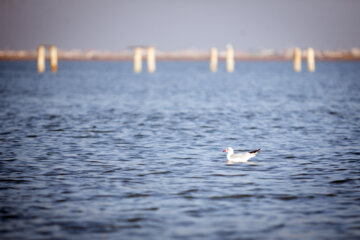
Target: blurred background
[250, 26]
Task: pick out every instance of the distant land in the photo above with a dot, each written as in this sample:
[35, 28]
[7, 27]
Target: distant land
[184, 55]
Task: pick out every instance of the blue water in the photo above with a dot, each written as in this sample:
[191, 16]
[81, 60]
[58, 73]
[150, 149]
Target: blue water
[97, 152]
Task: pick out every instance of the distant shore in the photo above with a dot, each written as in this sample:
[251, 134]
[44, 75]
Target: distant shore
[184, 55]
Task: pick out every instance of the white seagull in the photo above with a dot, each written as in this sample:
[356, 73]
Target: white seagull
[239, 157]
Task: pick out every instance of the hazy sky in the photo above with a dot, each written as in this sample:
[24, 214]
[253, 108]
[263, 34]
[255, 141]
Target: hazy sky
[182, 24]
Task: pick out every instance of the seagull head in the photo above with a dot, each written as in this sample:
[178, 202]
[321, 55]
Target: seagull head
[229, 150]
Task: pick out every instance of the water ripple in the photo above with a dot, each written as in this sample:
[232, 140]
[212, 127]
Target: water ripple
[95, 152]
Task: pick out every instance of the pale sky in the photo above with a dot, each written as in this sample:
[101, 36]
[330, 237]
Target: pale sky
[187, 24]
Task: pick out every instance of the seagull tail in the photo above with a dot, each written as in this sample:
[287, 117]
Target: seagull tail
[255, 151]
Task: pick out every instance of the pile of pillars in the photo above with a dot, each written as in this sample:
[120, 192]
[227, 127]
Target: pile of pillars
[41, 59]
[151, 62]
[310, 55]
[229, 59]
[150, 52]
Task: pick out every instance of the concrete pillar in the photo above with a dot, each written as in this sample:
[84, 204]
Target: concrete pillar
[151, 59]
[213, 59]
[41, 59]
[137, 59]
[297, 60]
[311, 59]
[53, 59]
[229, 58]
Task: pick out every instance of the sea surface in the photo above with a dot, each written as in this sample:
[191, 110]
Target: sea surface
[98, 152]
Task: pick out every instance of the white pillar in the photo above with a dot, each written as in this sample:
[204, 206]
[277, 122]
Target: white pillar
[229, 58]
[41, 59]
[151, 59]
[137, 59]
[53, 59]
[297, 60]
[213, 59]
[311, 59]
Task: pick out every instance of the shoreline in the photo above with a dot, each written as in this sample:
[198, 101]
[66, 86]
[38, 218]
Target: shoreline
[182, 59]
[92, 55]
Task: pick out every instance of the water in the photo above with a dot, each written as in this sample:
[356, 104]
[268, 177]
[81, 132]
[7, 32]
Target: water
[97, 152]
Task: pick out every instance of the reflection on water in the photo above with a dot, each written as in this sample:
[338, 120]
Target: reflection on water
[95, 151]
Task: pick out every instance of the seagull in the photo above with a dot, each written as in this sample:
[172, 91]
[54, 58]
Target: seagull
[239, 157]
